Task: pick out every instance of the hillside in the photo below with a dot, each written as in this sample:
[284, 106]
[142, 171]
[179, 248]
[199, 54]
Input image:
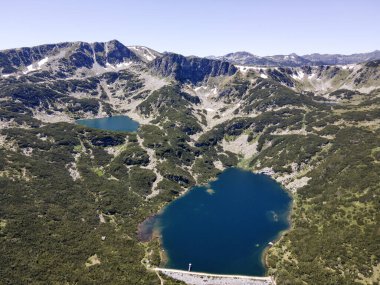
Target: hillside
[71, 198]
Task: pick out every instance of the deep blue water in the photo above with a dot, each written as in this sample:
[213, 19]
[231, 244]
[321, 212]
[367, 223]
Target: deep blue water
[116, 123]
[227, 229]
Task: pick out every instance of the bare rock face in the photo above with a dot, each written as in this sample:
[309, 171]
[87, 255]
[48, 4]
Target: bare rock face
[191, 69]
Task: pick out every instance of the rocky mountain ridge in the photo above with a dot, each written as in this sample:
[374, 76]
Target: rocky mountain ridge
[72, 59]
[80, 59]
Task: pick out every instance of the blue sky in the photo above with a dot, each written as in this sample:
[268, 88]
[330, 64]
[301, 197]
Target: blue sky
[198, 27]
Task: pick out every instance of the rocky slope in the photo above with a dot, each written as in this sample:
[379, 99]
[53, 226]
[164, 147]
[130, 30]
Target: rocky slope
[191, 69]
[323, 80]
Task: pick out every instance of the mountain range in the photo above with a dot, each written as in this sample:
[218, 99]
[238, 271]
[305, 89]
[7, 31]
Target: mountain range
[318, 73]
[294, 60]
[81, 54]
[77, 57]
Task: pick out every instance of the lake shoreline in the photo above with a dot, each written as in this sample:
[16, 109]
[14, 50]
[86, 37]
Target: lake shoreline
[118, 123]
[156, 233]
[262, 255]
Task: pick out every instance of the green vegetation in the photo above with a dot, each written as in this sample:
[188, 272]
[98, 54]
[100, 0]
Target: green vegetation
[173, 109]
[71, 196]
[334, 236]
[49, 224]
[133, 155]
[337, 213]
[141, 180]
[204, 169]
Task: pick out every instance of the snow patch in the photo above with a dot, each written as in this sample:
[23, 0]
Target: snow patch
[118, 66]
[36, 66]
[143, 52]
[123, 65]
[29, 68]
[298, 75]
[312, 75]
[43, 61]
[348, 66]
[245, 68]
[204, 91]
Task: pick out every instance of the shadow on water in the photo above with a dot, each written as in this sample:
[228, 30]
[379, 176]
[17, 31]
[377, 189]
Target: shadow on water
[146, 229]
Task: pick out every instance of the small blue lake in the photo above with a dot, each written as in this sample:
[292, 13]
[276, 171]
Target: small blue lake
[116, 123]
[225, 227]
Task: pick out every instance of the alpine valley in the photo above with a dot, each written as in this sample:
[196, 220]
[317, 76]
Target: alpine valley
[72, 197]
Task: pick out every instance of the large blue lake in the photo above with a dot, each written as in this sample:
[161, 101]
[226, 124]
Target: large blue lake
[225, 227]
[116, 123]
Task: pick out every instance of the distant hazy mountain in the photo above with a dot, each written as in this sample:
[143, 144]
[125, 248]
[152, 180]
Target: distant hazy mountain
[333, 59]
[245, 58]
[294, 60]
[291, 60]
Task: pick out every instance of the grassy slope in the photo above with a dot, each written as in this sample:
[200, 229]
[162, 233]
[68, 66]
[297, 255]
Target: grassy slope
[50, 223]
[335, 235]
